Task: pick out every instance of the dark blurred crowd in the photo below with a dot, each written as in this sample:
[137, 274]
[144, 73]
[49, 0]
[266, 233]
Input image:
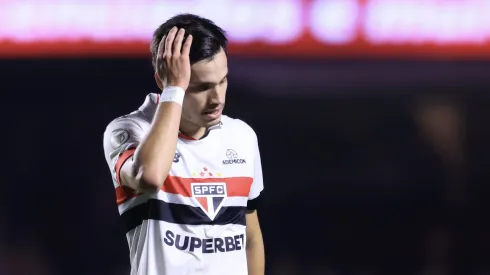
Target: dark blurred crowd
[355, 185]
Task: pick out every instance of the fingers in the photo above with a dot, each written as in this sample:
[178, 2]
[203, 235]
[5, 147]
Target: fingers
[187, 46]
[178, 42]
[169, 42]
[161, 48]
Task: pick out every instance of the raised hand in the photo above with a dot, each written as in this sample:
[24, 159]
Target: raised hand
[173, 63]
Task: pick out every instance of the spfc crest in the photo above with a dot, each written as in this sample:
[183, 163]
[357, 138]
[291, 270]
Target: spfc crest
[210, 197]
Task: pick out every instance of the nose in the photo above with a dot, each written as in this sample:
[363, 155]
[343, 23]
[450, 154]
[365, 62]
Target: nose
[214, 97]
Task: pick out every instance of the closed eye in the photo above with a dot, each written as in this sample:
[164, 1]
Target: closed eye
[201, 87]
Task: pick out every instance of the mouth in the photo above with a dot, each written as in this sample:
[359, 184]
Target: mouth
[213, 113]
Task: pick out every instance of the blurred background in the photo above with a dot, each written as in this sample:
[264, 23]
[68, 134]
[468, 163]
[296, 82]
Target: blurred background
[372, 118]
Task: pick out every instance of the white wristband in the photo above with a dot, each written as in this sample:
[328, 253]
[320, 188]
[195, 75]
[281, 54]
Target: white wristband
[173, 94]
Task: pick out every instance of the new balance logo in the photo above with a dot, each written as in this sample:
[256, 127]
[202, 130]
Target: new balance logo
[177, 157]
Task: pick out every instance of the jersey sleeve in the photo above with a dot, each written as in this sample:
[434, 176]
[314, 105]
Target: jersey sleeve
[258, 181]
[121, 138]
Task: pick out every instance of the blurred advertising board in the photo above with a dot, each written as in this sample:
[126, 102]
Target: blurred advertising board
[258, 28]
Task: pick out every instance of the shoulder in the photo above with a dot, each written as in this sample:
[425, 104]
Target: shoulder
[124, 128]
[138, 119]
[238, 126]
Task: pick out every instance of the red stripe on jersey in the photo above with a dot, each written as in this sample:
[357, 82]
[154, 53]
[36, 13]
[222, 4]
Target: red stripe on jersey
[235, 187]
[186, 137]
[120, 161]
[123, 193]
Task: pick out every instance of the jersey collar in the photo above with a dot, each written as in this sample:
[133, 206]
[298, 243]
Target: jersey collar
[217, 126]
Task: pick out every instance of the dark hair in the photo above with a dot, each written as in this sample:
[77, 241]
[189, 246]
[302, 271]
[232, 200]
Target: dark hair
[207, 38]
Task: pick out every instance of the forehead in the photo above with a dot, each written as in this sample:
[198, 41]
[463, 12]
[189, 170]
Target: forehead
[210, 70]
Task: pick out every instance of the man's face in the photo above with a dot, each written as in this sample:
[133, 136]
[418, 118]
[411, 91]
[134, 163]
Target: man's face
[205, 98]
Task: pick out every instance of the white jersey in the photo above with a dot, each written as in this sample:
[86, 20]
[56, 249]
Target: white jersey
[196, 223]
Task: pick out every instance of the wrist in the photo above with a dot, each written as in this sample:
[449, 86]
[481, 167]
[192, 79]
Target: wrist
[173, 94]
[180, 84]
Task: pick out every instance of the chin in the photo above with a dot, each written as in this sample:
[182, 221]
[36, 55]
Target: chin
[211, 123]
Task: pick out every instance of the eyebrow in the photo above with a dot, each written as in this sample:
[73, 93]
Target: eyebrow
[207, 83]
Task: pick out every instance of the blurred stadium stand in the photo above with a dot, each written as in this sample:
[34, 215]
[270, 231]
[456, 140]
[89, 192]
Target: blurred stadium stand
[371, 117]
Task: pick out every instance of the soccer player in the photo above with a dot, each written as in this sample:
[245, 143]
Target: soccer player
[187, 178]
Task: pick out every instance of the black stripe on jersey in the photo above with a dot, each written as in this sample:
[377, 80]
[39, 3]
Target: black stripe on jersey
[254, 203]
[180, 214]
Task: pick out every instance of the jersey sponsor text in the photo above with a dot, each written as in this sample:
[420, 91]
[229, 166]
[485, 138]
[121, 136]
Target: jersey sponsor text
[209, 245]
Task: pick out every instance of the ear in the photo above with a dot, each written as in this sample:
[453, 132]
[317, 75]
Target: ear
[160, 83]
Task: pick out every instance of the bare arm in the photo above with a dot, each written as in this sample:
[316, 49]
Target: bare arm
[255, 245]
[152, 160]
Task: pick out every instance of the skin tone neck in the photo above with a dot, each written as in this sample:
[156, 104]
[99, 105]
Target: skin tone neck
[191, 130]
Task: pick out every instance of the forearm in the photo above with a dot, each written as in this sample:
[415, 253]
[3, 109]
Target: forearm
[255, 255]
[154, 156]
